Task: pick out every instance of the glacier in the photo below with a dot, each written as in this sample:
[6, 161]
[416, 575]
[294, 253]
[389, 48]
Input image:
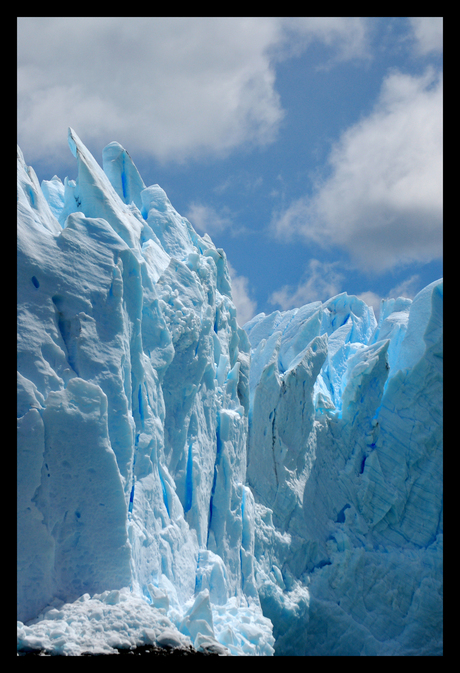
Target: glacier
[268, 490]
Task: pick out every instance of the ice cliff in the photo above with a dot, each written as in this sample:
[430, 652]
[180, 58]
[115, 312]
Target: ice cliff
[276, 489]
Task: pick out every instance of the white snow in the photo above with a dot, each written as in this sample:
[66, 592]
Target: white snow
[182, 481]
[99, 624]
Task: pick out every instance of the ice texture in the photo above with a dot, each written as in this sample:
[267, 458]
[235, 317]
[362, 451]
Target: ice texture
[345, 463]
[275, 489]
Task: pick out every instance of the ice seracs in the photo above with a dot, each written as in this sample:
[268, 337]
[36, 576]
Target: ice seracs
[276, 488]
[131, 406]
[357, 493]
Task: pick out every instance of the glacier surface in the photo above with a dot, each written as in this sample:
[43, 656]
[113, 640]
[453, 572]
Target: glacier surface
[275, 489]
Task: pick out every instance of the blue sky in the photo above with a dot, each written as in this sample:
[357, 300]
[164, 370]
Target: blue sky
[309, 148]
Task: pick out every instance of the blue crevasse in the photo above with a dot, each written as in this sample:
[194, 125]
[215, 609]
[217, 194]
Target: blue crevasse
[272, 489]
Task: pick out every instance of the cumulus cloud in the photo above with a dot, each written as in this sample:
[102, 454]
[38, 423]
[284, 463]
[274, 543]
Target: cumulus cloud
[320, 281]
[245, 306]
[371, 299]
[383, 199]
[172, 88]
[207, 220]
[407, 288]
[428, 33]
[348, 36]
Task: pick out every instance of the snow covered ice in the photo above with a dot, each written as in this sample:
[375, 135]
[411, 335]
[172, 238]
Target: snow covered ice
[275, 489]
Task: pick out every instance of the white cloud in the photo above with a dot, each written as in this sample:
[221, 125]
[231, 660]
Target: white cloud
[371, 299]
[428, 32]
[408, 288]
[245, 306]
[320, 282]
[383, 200]
[348, 36]
[207, 220]
[168, 87]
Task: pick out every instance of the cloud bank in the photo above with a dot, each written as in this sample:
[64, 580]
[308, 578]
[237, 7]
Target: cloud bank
[382, 201]
[172, 88]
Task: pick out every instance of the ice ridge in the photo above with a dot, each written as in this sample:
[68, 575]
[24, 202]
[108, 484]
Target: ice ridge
[275, 489]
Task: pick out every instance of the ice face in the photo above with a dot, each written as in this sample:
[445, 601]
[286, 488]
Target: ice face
[132, 405]
[184, 481]
[345, 458]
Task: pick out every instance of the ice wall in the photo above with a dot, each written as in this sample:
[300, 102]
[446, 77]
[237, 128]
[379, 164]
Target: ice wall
[132, 403]
[278, 482]
[345, 459]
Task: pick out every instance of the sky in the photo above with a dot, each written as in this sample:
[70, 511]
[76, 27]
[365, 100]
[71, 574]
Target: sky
[308, 148]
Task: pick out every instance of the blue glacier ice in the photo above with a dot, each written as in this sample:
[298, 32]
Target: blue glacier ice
[182, 481]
